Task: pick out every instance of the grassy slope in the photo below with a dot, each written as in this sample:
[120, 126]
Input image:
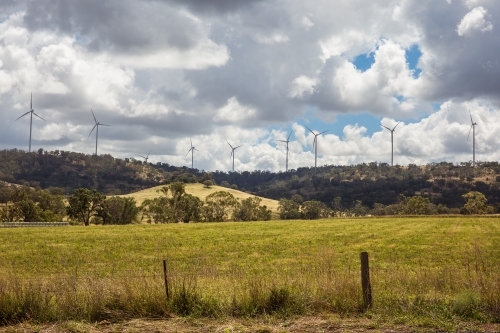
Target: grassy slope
[201, 192]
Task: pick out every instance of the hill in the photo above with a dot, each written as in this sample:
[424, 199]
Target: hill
[367, 183]
[200, 191]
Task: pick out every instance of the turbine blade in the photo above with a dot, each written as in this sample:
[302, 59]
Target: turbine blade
[188, 152]
[93, 115]
[141, 156]
[103, 124]
[92, 129]
[309, 129]
[396, 126]
[385, 127]
[289, 135]
[281, 140]
[323, 132]
[38, 116]
[471, 121]
[191, 141]
[23, 115]
[195, 149]
[469, 132]
[237, 147]
[148, 153]
[229, 144]
[31, 103]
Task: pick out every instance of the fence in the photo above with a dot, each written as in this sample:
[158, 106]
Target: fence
[207, 287]
[34, 224]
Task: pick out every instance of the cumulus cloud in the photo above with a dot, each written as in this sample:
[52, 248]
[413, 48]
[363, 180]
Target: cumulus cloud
[162, 71]
[473, 21]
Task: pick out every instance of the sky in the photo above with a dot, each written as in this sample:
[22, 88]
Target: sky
[165, 73]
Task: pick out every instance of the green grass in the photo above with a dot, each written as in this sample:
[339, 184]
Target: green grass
[425, 270]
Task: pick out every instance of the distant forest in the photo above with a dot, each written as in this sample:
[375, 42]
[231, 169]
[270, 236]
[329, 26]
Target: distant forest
[368, 183]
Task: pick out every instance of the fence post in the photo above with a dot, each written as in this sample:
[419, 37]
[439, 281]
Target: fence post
[165, 276]
[365, 281]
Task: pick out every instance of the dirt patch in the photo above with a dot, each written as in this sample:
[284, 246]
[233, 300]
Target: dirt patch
[327, 323]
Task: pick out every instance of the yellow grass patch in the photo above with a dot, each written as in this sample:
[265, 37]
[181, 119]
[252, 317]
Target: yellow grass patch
[200, 191]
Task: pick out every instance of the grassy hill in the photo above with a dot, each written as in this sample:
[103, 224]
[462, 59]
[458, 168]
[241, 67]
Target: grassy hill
[200, 191]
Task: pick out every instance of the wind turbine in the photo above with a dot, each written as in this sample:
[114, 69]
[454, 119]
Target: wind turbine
[97, 124]
[315, 144]
[146, 158]
[192, 149]
[392, 141]
[286, 141]
[32, 112]
[232, 151]
[473, 128]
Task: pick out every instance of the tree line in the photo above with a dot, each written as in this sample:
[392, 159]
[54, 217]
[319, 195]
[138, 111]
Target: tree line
[86, 206]
[296, 208]
[174, 205]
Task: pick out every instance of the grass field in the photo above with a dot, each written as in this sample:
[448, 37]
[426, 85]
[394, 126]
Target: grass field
[427, 271]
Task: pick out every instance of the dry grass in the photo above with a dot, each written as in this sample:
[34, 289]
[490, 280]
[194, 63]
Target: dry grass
[200, 191]
[429, 272]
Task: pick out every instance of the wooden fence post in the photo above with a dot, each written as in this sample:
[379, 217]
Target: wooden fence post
[165, 276]
[365, 281]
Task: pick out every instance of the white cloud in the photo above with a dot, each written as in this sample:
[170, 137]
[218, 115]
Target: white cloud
[302, 85]
[234, 112]
[473, 21]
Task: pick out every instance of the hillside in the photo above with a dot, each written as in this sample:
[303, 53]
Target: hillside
[198, 190]
[369, 183]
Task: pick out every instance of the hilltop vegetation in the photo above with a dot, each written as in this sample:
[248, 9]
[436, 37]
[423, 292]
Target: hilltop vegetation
[367, 183]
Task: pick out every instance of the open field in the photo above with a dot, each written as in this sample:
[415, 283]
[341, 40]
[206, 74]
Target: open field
[432, 272]
[198, 190]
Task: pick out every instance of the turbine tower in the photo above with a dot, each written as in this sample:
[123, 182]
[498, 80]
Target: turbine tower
[146, 158]
[32, 112]
[392, 141]
[97, 124]
[473, 128]
[232, 151]
[315, 144]
[286, 141]
[192, 149]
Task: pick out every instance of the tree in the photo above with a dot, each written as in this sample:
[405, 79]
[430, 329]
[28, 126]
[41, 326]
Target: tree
[84, 203]
[156, 210]
[118, 210]
[174, 205]
[190, 207]
[313, 210]
[417, 205]
[218, 205]
[250, 210]
[288, 209]
[208, 183]
[337, 205]
[475, 203]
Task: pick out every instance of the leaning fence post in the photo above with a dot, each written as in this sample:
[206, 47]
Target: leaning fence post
[365, 281]
[165, 276]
